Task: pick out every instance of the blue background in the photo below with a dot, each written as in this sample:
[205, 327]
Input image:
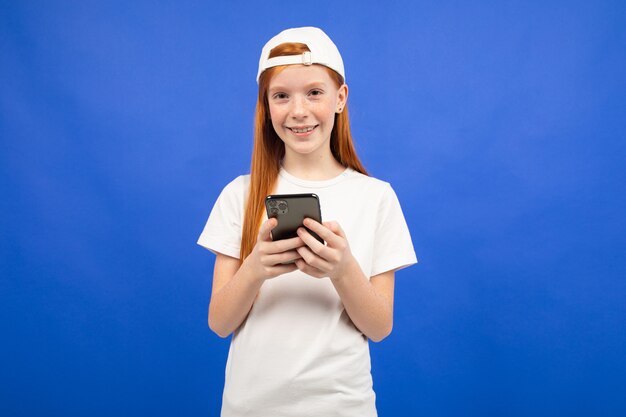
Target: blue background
[501, 126]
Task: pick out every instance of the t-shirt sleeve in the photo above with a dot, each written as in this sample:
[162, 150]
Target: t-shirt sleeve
[222, 232]
[393, 248]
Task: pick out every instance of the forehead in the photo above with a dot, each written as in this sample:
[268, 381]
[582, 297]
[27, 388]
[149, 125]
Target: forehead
[300, 76]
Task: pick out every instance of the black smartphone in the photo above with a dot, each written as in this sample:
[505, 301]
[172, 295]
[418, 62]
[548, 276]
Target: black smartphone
[290, 210]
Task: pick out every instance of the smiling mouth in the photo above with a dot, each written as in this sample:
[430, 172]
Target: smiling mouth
[302, 129]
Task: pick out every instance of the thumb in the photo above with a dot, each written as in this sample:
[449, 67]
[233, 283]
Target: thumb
[266, 228]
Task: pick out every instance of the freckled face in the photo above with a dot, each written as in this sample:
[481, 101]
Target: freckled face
[303, 101]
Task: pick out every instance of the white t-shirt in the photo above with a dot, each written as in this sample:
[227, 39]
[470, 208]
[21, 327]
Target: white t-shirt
[298, 353]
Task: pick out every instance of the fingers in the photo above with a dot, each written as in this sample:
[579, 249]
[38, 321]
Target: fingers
[309, 270]
[270, 254]
[286, 244]
[303, 252]
[283, 257]
[335, 228]
[329, 235]
[279, 245]
[266, 229]
[313, 260]
[283, 269]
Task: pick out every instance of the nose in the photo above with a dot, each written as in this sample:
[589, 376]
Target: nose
[299, 107]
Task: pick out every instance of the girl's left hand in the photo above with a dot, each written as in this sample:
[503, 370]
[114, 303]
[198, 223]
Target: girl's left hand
[332, 260]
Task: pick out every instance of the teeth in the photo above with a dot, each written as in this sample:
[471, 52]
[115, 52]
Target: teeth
[308, 129]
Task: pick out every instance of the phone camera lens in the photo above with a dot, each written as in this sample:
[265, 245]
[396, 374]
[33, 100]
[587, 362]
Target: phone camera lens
[274, 210]
[282, 206]
[273, 203]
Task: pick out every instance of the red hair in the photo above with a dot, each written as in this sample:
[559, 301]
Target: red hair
[269, 149]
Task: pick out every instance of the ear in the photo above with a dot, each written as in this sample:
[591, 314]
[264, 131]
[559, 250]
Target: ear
[342, 98]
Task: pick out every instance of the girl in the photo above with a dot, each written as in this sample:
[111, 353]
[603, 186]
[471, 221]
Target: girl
[301, 312]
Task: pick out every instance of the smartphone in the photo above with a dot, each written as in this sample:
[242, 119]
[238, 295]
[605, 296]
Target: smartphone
[290, 210]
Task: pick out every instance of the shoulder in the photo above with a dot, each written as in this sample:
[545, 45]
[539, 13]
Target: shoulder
[234, 193]
[371, 185]
[239, 183]
[379, 193]
[237, 187]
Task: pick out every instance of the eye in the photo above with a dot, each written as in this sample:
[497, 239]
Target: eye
[279, 96]
[316, 92]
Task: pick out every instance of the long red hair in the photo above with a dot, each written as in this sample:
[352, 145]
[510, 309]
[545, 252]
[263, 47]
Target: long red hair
[269, 149]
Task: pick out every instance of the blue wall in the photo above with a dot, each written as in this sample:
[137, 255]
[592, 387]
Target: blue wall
[501, 125]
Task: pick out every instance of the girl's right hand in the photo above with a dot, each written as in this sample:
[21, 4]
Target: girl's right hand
[269, 259]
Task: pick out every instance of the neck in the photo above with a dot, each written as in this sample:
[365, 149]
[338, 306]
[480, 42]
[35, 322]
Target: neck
[312, 167]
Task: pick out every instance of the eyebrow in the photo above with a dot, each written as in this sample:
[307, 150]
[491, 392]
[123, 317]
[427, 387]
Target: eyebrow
[307, 86]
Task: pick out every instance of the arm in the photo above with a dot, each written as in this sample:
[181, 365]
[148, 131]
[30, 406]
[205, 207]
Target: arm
[369, 303]
[232, 295]
[236, 284]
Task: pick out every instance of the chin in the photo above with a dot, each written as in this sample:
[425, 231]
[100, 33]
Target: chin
[301, 145]
[302, 151]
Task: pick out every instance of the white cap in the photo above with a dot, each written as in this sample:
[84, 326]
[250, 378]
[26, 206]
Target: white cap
[323, 50]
